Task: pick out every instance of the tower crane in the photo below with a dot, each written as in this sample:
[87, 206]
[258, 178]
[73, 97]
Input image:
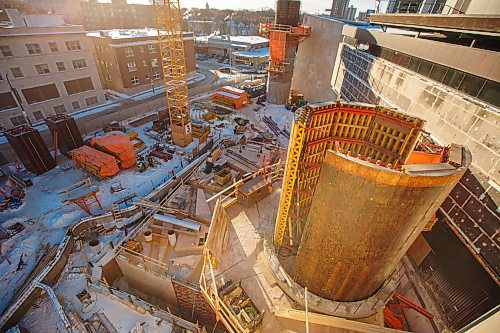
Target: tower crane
[168, 18]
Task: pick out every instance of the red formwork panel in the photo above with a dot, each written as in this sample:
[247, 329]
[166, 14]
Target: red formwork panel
[30, 148]
[68, 134]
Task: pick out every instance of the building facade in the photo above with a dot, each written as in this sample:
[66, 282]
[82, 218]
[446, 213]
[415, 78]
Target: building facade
[456, 90]
[129, 61]
[116, 15]
[52, 69]
[339, 8]
[225, 45]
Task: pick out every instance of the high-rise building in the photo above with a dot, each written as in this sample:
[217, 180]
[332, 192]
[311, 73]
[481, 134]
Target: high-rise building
[46, 68]
[350, 13]
[339, 8]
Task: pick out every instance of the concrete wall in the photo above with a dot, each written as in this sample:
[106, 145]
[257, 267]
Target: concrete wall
[315, 60]
[484, 7]
[450, 115]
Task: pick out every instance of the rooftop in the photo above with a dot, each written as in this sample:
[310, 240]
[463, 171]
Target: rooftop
[232, 39]
[262, 52]
[128, 33]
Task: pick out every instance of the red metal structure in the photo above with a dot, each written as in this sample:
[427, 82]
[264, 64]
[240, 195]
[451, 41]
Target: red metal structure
[279, 35]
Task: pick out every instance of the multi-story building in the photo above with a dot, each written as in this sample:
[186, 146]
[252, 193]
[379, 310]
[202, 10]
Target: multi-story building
[256, 59]
[224, 45]
[129, 61]
[351, 13]
[339, 8]
[454, 85]
[116, 15]
[69, 9]
[45, 70]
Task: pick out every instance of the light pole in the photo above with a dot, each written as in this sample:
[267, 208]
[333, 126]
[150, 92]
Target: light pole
[18, 99]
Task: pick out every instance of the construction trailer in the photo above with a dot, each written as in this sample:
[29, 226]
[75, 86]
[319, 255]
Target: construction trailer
[95, 162]
[30, 148]
[230, 97]
[66, 134]
[352, 158]
[117, 145]
[254, 90]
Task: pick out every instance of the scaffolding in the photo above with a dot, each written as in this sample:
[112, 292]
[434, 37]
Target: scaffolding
[372, 133]
[168, 20]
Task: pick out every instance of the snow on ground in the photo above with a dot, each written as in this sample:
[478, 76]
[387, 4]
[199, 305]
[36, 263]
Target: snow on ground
[47, 218]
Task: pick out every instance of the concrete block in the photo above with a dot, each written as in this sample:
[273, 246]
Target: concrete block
[140, 310]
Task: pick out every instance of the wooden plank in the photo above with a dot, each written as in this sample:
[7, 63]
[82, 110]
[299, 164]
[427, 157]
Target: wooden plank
[335, 322]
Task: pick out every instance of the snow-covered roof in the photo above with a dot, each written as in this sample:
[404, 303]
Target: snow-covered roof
[128, 33]
[243, 40]
[262, 52]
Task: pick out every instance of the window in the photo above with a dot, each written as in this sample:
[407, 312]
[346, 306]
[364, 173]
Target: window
[156, 75]
[7, 101]
[438, 72]
[490, 93]
[108, 77]
[414, 64]
[40, 93]
[154, 62]
[78, 85]
[60, 66]
[53, 47]
[19, 120]
[79, 63]
[453, 78]
[129, 52]
[91, 100]
[145, 63]
[1, 77]
[141, 49]
[134, 80]
[16, 71]
[152, 49]
[73, 45]
[146, 76]
[42, 69]
[75, 105]
[34, 48]
[60, 109]
[38, 115]
[131, 66]
[6, 51]
[425, 68]
[471, 85]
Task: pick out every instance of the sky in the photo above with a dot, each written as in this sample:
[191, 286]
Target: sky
[309, 6]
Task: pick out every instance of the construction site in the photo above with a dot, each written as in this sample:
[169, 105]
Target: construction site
[256, 207]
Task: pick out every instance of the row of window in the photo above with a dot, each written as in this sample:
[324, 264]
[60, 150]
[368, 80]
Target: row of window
[475, 86]
[129, 52]
[46, 92]
[58, 109]
[44, 68]
[135, 79]
[34, 48]
[132, 67]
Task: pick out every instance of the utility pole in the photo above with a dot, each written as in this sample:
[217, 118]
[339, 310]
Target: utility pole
[18, 99]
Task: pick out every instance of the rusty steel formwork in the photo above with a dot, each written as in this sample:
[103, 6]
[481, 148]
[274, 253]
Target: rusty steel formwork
[375, 213]
[30, 148]
[68, 135]
[350, 157]
[192, 303]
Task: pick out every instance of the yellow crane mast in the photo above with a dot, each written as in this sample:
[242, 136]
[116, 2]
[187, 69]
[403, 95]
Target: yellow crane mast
[168, 20]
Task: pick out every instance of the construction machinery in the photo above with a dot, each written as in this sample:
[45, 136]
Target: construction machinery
[168, 18]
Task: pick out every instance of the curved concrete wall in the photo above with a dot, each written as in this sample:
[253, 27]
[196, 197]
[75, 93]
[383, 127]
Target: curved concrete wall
[375, 214]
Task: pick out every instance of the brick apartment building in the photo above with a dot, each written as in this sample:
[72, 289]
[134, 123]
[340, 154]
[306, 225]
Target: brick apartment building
[50, 65]
[116, 15]
[129, 61]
